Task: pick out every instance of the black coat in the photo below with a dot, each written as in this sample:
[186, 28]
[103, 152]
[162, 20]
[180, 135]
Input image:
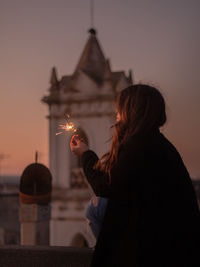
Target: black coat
[152, 217]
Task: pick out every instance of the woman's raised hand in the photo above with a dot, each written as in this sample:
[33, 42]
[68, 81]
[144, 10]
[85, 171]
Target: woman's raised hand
[78, 147]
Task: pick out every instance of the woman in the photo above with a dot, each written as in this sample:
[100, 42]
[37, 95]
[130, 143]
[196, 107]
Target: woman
[152, 216]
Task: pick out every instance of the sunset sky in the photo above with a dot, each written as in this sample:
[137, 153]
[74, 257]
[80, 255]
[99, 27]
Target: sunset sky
[158, 39]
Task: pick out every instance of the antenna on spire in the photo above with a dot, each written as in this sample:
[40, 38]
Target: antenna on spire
[92, 13]
[92, 30]
[36, 156]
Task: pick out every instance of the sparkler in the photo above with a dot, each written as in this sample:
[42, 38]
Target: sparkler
[68, 126]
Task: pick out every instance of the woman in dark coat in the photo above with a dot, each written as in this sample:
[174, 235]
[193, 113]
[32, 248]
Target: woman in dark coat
[152, 216]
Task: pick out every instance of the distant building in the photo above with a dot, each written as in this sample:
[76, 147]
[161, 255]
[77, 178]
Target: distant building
[9, 210]
[88, 96]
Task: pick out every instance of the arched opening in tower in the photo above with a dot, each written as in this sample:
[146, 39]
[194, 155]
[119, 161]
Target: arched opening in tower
[79, 241]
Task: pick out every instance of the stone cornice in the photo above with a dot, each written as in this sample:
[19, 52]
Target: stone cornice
[98, 98]
[76, 195]
[84, 115]
[92, 114]
[51, 100]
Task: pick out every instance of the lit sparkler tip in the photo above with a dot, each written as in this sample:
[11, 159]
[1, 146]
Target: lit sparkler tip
[68, 126]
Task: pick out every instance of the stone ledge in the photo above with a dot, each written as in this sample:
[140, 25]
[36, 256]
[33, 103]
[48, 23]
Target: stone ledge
[44, 256]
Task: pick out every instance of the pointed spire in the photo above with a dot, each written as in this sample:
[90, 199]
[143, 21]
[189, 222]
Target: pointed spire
[92, 60]
[130, 76]
[107, 70]
[54, 87]
[53, 79]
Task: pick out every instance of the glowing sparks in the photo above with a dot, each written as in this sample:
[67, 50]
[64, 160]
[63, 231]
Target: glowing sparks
[58, 133]
[68, 126]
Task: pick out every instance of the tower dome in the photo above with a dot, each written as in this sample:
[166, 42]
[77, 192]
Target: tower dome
[35, 184]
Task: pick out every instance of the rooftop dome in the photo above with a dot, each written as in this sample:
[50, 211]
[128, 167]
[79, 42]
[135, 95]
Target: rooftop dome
[35, 184]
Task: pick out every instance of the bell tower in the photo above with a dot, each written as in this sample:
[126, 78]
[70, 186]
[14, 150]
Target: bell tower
[88, 96]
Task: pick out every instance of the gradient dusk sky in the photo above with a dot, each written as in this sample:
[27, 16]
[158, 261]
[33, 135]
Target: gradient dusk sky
[158, 39]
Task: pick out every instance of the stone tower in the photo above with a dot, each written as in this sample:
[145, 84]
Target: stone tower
[88, 96]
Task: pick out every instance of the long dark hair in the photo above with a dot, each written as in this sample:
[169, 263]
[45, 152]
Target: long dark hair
[142, 109]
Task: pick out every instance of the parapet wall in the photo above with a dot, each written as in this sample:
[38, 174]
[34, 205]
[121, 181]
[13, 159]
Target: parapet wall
[44, 256]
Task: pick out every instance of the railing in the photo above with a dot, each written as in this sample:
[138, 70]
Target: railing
[44, 256]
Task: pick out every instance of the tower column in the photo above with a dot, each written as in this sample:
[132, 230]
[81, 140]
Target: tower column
[63, 160]
[52, 148]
